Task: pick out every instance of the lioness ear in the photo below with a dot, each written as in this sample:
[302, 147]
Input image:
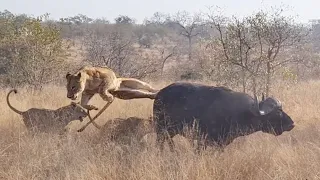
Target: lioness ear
[73, 104]
[79, 75]
[68, 75]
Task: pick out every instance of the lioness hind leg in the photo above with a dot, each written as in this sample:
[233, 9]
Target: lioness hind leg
[126, 94]
[135, 84]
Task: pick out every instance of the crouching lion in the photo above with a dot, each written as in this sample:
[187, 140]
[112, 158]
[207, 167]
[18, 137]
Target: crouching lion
[123, 129]
[45, 120]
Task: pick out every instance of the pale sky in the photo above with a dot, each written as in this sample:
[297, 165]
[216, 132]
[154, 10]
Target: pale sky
[140, 9]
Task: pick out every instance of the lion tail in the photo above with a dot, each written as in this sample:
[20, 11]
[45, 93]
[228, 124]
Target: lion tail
[9, 104]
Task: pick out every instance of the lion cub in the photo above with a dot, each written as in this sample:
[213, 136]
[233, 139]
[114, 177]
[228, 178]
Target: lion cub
[89, 81]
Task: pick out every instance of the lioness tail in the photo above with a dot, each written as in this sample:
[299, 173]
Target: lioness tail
[11, 107]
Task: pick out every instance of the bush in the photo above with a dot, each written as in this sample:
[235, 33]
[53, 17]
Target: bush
[32, 53]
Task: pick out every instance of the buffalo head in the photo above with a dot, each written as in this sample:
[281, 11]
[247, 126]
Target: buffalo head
[273, 119]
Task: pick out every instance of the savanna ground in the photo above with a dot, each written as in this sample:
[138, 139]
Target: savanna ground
[293, 155]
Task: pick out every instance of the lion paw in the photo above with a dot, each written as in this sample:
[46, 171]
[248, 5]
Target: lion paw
[91, 107]
[109, 99]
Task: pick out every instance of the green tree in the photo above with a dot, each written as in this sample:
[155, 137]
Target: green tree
[122, 19]
[32, 52]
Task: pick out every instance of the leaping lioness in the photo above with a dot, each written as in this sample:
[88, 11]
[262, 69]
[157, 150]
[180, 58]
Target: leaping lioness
[89, 81]
[103, 81]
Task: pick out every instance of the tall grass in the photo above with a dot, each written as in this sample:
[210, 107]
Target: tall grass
[293, 155]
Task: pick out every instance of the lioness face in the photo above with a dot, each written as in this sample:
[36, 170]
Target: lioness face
[75, 86]
[78, 112]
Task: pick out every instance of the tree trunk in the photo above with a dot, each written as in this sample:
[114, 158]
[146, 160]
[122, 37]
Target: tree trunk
[190, 49]
[254, 84]
[268, 84]
[162, 67]
[244, 80]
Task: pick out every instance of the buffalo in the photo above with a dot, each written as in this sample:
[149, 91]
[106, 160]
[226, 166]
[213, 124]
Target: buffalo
[220, 114]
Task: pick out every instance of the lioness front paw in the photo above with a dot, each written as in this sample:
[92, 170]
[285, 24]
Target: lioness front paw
[108, 98]
[91, 107]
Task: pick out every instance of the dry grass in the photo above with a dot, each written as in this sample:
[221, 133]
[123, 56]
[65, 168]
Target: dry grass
[294, 155]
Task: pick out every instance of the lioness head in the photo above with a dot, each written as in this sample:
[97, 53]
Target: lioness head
[75, 85]
[77, 112]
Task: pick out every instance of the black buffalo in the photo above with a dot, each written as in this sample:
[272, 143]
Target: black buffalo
[221, 114]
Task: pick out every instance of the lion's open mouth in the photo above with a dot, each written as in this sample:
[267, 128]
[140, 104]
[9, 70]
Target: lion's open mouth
[72, 97]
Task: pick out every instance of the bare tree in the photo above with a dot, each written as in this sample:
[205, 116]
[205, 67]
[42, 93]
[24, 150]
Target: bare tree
[189, 27]
[115, 48]
[315, 34]
[278, 33]
[158, 18]
[210, 65]
[255, 42]
[237, 46]
[165, 55]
